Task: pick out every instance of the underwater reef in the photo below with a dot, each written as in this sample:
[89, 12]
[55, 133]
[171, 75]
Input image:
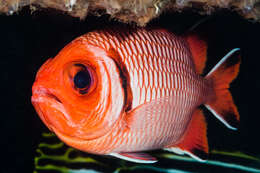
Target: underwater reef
[137, 11]
[52, 155]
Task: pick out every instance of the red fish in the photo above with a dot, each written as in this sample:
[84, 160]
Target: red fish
[121, 92]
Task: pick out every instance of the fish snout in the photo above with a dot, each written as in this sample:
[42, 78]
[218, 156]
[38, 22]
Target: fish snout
[47, 105]
[38, 98]
[39, 92]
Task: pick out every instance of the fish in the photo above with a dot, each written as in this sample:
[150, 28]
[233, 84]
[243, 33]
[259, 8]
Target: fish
[121, 92]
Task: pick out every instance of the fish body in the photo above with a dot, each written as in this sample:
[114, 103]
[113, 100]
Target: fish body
[120, 92]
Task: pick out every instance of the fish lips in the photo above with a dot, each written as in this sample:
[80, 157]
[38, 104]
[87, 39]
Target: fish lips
[51, 110]
[45, 107]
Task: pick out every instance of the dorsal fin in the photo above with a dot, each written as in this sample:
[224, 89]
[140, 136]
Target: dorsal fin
[198, 48]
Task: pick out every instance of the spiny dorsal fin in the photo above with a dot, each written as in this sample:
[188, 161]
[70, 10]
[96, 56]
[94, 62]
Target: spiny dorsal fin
[198, 48]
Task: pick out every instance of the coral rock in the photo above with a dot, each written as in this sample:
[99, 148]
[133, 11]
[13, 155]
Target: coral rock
[138, 11]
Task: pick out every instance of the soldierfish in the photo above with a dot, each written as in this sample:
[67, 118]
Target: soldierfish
[123, 91]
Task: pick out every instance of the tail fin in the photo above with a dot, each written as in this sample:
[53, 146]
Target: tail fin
[222, 106]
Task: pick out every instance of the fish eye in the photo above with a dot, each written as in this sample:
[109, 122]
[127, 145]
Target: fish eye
[82, 79]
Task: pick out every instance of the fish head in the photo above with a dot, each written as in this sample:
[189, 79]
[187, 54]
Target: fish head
[78, 93]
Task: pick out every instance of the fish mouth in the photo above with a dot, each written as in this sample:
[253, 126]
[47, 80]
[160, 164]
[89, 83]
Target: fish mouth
[49, 107]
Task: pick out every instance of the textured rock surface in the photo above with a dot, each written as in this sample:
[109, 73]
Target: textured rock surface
[139, 11]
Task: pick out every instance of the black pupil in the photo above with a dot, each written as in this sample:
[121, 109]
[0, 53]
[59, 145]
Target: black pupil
[82, 79]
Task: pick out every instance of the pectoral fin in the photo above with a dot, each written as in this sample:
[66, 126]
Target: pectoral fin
[135, 157]
[157, 110]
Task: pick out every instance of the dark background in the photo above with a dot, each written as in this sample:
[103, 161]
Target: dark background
[28, 40]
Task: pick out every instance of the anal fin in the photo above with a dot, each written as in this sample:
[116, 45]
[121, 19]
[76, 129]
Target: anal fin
[135, 157]
[194, 142]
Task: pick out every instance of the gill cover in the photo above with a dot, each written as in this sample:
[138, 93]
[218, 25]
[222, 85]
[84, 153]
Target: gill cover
[94, 112]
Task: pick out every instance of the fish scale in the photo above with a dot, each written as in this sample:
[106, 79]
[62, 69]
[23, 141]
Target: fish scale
[121, 43]
[181, 68]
